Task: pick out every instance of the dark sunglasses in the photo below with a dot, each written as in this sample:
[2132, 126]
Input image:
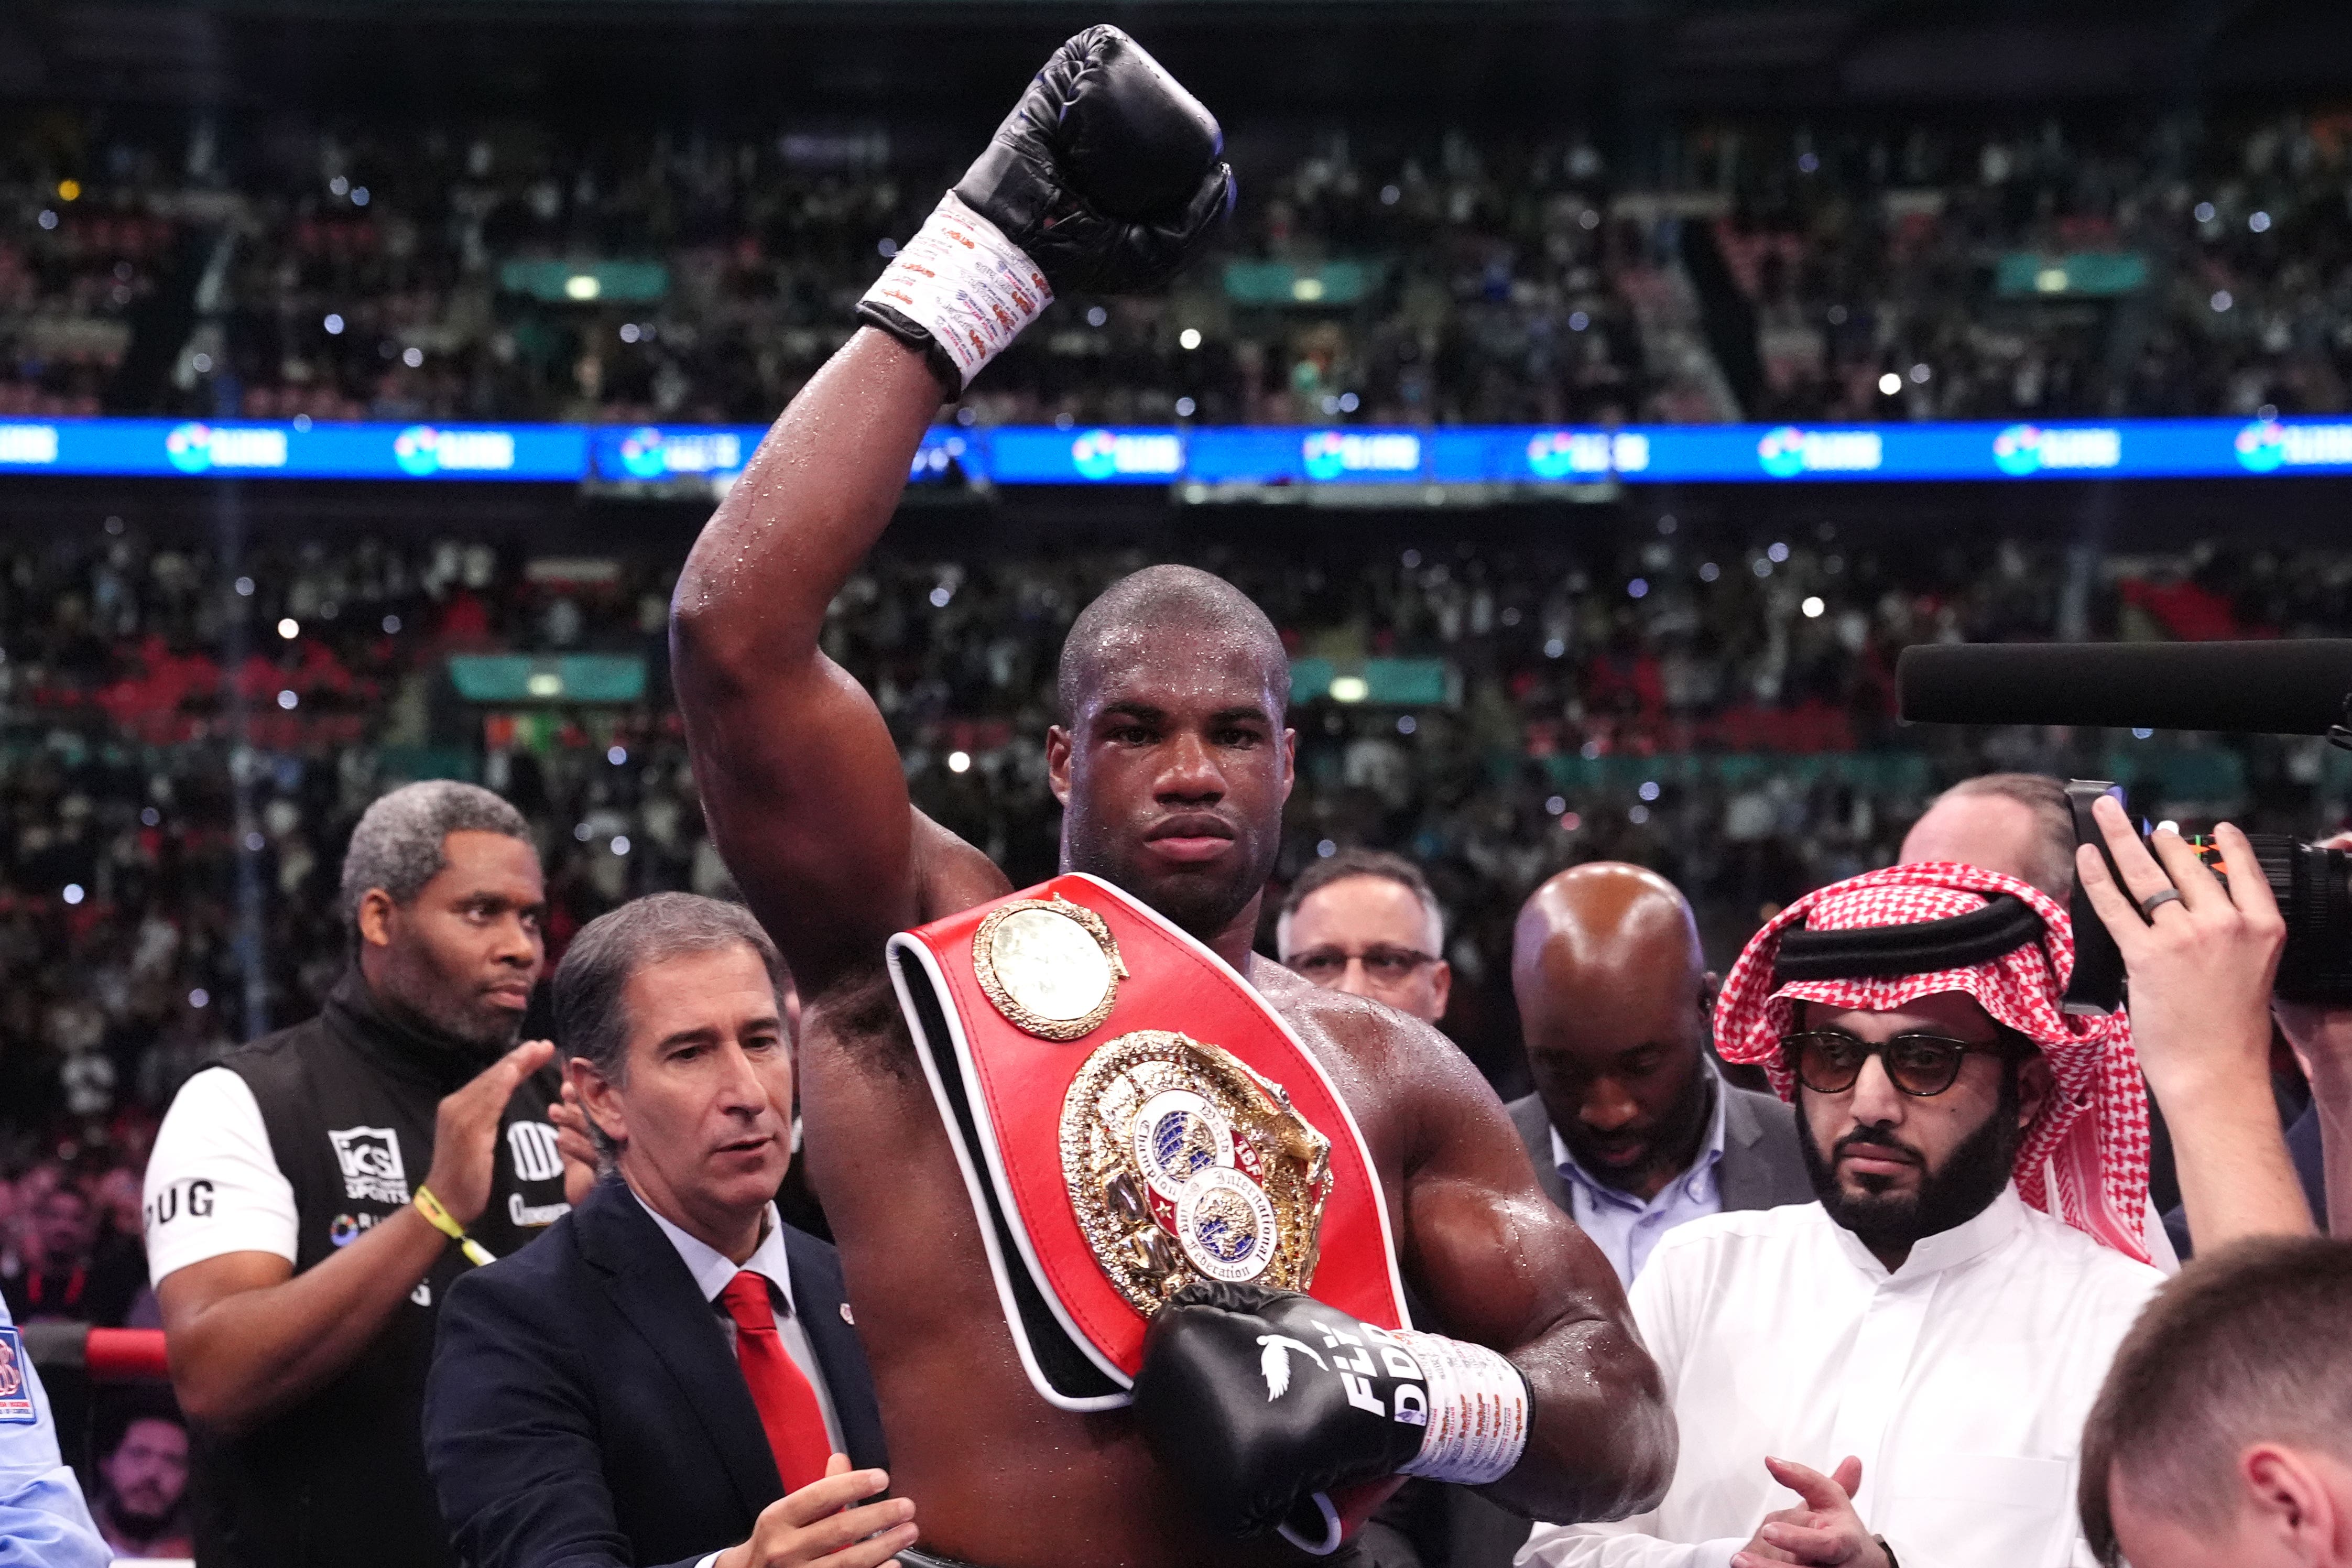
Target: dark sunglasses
[1828, 1061]
[1386, 965]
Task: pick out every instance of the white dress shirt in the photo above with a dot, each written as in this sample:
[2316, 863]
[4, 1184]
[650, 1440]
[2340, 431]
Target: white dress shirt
[1961, 1382]
[712, 1269]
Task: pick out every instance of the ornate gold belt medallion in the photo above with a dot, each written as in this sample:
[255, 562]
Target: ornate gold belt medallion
[1184, 1165]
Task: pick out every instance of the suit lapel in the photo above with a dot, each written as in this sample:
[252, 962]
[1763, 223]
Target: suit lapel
[649, 1285]
[1742, 1179]
[819, 1299]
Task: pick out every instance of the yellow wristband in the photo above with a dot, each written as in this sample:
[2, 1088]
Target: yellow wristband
[443, 1221]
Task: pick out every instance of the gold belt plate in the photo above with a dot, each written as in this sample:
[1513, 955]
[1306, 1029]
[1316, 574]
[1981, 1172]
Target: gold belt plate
[1182, 1163]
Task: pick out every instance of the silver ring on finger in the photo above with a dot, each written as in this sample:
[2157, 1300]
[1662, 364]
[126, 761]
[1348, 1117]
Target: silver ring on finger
[2157, 901]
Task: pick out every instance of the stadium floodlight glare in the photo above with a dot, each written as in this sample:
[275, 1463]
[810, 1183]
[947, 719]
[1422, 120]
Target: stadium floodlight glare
[1890, 384]
[583, 286]
[290, 629]
[958, 761]
[1349, 688]
[1190, 338]
[1813, 606]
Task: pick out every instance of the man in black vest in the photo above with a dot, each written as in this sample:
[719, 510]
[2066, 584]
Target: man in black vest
[306, 1196]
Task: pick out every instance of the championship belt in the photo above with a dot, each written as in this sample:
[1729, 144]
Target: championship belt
[1130, 1117]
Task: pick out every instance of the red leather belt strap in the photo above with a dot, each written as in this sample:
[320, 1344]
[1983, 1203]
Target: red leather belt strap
[1001, 1091]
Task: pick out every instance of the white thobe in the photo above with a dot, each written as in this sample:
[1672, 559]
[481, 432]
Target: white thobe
[1960, 1380]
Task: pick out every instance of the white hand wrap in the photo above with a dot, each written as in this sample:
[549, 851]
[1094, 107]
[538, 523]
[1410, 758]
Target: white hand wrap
[963, 283]
[1478, 1411]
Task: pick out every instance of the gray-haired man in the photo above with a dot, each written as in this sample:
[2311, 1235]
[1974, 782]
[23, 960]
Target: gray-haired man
[302, 1195]
[673, 1377]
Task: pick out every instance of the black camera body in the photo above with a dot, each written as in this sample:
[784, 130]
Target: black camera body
[2312, 884]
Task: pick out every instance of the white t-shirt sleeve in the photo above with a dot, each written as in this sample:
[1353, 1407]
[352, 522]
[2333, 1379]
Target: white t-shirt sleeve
[213, 1185]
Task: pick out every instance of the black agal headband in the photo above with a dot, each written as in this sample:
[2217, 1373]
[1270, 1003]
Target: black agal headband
[2006, 923]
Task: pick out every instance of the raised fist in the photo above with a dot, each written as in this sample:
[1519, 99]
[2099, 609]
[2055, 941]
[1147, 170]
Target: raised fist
[1106, 177]
[1106, 173]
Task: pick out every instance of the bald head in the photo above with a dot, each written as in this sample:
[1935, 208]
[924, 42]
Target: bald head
[1613, 997]
[1162, 613]
[1598, 929]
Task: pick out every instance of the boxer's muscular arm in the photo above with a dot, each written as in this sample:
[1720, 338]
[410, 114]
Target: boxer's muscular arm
[800, 780]
[1499, 1265]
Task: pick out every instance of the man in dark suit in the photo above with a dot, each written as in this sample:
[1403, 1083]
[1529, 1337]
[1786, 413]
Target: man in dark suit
[672, 1374]
[1632, 1127]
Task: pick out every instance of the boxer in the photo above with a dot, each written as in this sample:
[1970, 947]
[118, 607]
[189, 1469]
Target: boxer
[1172, 763]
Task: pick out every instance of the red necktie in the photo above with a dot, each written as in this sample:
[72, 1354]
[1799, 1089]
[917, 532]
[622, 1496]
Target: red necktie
[788, 1412]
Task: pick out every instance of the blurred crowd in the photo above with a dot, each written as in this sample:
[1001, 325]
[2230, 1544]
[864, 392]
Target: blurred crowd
[2145, 270]
[186, 740]
[501, 272]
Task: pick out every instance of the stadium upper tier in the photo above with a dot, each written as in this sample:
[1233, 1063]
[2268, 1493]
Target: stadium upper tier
[1767, 274]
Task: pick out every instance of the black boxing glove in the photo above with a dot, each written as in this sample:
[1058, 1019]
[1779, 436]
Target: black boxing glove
[1260, 1399]
[1106, 177]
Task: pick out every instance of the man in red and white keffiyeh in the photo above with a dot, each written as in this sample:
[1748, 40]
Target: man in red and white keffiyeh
[1914, 1355]
[2082, 1155]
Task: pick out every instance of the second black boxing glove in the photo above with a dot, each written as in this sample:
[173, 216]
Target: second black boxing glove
[1106, 177]
[1259, 1399]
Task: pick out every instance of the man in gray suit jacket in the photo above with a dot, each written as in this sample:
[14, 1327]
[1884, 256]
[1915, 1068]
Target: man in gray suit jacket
[1632, 1127]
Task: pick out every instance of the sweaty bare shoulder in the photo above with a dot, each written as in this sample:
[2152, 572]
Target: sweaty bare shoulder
[1403, 1067]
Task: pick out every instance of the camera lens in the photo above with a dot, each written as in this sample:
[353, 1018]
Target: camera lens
[2314, 889]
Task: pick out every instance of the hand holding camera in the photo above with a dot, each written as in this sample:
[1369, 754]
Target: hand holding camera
[2201, 953]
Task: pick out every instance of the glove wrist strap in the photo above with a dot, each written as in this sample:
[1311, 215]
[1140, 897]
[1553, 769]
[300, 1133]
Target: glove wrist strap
[963, 285]
[1478, 1410]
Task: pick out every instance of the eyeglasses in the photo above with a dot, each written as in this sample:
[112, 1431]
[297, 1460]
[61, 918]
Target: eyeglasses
[1386, 965]
[1829, 1061]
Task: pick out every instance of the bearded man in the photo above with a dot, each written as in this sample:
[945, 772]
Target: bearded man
[1913, 1354]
